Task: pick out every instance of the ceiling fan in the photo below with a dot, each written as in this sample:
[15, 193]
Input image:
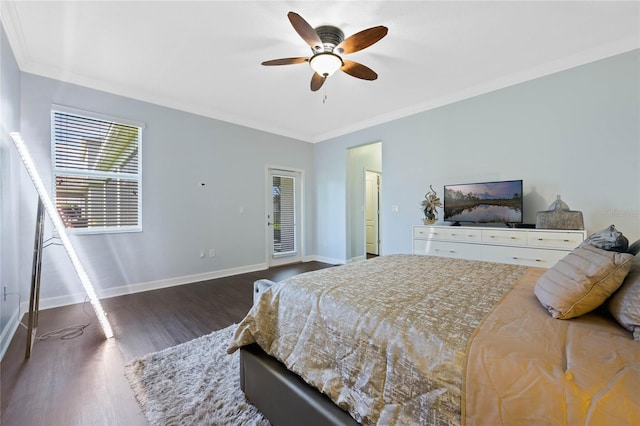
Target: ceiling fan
[328, 44]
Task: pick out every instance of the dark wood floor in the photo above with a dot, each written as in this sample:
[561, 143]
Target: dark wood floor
[81, 381]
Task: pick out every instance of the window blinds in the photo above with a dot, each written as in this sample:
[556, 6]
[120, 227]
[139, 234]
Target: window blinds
[96, 172]
[284, 240]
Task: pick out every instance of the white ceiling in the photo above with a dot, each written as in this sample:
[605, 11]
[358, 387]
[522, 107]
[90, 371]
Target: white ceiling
[204, 57]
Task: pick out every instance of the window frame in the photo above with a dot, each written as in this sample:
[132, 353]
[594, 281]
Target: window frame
[56, 171]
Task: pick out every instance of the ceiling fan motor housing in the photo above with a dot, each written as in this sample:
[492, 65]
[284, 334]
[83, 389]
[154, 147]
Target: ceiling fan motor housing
[331, 37]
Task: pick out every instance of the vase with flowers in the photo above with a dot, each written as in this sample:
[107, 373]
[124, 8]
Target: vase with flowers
[429, 204]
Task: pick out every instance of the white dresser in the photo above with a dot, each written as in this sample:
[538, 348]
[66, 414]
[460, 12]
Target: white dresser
[531, 247]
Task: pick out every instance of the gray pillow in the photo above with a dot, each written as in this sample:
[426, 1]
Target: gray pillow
[581, 281]
[609, 239]
[624, 305]
[634, 248]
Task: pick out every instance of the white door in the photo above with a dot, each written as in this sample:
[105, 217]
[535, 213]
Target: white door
[283, 216]
[372, 212]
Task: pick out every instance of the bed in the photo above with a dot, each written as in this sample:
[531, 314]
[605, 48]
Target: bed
[411, 339]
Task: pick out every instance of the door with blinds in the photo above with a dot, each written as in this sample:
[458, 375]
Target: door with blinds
[283, 216]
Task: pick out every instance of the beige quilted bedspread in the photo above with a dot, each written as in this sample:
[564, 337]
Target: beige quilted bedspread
[385, 339]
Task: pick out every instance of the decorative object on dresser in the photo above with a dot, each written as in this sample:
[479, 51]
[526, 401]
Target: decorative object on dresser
[429, 205]
[559, 216]
[531, 247]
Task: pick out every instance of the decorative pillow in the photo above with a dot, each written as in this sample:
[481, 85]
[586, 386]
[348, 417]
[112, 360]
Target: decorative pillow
[624, 305]
[634, 248]
[581, 281]
[609, 239]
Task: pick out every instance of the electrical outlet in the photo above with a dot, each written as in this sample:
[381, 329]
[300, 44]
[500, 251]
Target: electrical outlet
[212, 253]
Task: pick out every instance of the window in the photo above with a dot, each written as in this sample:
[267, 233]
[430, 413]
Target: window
[96, 171]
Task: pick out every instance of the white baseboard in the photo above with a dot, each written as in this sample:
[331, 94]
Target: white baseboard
[324, 260]
[10, 330]
[357, 259]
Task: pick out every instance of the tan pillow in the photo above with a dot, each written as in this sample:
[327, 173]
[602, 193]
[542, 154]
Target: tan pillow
[624, 305]
[581, 281]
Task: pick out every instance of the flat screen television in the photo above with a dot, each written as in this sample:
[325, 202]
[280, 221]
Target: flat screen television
[484, 202]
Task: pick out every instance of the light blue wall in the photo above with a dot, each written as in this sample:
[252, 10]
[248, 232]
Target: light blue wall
[180, 217]
[330, 166]
[9, 179]
[575, 133]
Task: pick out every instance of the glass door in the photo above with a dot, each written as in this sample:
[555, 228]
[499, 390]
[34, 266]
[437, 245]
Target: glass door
[283, 217]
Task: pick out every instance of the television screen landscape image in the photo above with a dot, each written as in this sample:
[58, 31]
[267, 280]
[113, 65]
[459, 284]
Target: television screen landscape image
[485, 202]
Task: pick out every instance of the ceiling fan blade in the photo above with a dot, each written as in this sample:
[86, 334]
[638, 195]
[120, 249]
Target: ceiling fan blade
[305, 31]
[317, 81]
[358, 70]
[285, 61]
[361, 40]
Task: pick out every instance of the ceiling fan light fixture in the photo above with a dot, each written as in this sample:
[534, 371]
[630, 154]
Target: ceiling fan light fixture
[325, 63]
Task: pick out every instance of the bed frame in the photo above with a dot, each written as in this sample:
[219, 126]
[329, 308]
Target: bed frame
[288, 400]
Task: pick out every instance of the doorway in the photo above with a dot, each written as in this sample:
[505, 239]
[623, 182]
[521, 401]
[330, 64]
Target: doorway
[284, 236]
[372, 213]
[362, 159]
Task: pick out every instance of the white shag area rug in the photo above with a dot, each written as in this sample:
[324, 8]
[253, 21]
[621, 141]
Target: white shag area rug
[195, 383]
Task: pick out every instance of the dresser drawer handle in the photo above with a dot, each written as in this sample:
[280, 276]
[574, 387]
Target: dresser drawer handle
[450, 251]
[500, 236]
[524, 258]
[564, 240]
